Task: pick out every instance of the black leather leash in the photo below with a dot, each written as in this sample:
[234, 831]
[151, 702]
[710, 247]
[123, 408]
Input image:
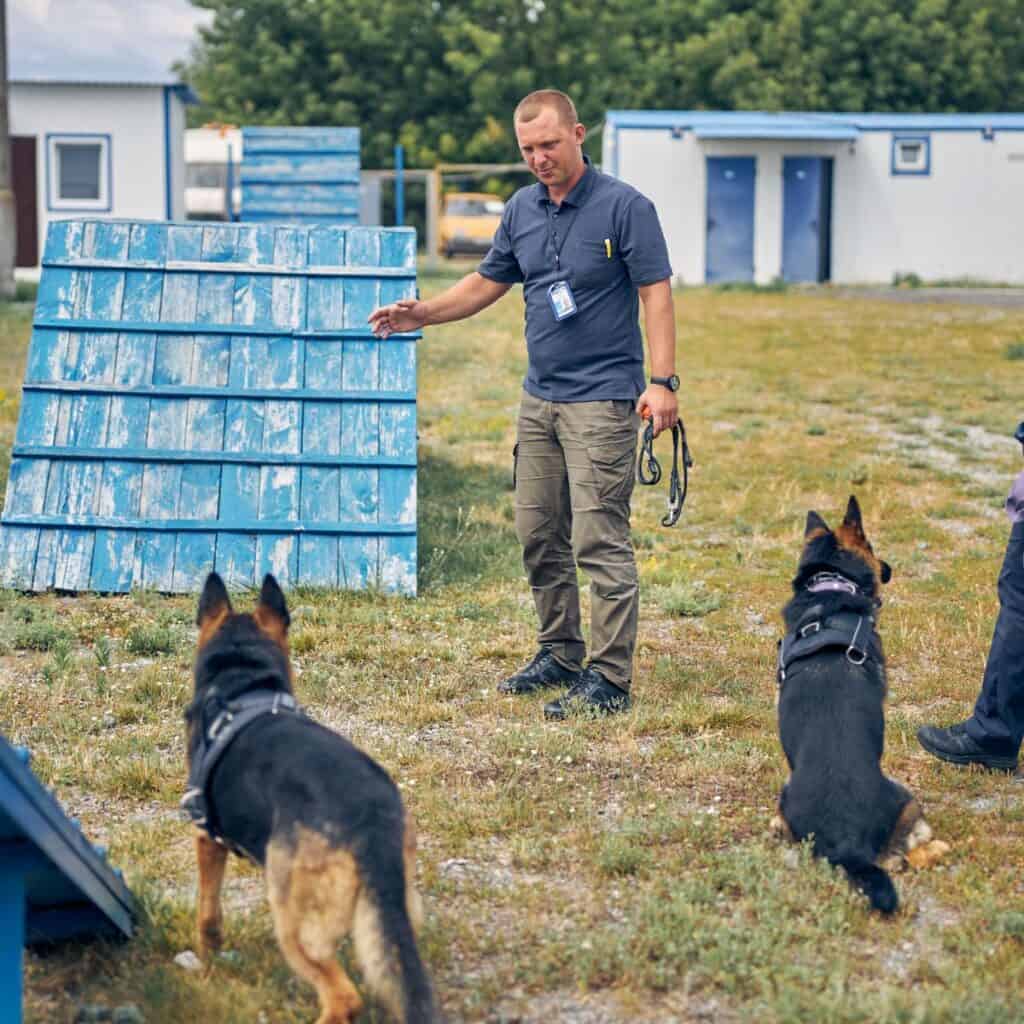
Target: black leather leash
[652, 473]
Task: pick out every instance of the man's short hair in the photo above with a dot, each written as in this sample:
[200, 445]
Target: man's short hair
[530, 106]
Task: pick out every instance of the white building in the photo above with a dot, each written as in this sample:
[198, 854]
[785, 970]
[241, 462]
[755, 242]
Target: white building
[850, 198]
[97, 148]
[213, 156]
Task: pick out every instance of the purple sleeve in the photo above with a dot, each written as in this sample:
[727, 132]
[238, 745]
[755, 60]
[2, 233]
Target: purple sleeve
[1015, 502]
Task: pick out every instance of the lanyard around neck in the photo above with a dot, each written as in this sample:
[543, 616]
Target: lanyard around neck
[558, 248]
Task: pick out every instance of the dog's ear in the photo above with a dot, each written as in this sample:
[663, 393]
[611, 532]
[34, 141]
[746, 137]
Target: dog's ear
[213, 601]
[815, 524]
[886, 571]
[853, 517]
[272, 605]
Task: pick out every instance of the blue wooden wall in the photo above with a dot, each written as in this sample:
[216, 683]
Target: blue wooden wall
[300, 175]
[210, 396]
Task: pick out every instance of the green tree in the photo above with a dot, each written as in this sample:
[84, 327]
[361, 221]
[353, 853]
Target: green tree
[442, 76]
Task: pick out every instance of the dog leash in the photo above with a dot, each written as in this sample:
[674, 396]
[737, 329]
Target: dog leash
[651, 474]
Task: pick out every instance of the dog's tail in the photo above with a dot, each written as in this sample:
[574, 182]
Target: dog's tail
[385, 947]
[871, 880]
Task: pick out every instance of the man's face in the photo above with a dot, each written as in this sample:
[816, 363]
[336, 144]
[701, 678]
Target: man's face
[550, 147]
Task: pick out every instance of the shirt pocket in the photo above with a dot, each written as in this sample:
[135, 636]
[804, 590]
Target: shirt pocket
[596, 263]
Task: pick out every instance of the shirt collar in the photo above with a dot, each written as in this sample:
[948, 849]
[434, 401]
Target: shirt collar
[580, 190]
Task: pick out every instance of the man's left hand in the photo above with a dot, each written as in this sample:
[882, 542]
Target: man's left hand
[662, 405]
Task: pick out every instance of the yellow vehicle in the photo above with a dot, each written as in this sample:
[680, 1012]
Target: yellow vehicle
[468, 222]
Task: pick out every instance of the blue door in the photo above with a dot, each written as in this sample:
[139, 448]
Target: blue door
[730, 239]
[806, 218]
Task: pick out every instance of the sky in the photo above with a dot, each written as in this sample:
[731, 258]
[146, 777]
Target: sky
[112, 39]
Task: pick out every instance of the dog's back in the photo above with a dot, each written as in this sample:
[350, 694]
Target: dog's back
[324, 819]
[831, 720]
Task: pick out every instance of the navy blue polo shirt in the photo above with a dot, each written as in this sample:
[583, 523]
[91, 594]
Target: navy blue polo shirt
[605, 240]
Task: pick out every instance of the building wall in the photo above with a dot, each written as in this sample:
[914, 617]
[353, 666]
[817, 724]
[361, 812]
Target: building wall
[133, 118]
[963, 219]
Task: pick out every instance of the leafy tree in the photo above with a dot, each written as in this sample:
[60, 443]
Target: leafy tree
[442, 76]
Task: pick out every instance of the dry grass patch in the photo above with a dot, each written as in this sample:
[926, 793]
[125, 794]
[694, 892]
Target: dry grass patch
[598, 871]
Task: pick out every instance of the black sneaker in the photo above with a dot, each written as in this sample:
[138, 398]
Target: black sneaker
[954, 745]
[592, 694]
[542, 673]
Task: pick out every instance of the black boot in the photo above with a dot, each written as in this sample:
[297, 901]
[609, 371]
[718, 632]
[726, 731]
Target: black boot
[955, 745]
[542, 672]
[593, 694]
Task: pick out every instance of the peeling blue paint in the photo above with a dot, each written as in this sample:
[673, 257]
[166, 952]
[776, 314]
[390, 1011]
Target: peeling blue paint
[209, 396]
[300, 175]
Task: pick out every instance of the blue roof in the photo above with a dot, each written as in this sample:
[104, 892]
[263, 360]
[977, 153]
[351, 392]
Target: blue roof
[756, 124]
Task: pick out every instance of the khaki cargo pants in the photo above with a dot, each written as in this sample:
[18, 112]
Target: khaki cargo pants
[574, 473]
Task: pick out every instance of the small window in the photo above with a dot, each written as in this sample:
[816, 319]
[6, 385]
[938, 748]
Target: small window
[911, 154]
[79, 172]
[206, 175]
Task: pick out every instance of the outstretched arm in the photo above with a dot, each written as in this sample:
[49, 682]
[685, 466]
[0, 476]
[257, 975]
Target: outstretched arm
[473, 293]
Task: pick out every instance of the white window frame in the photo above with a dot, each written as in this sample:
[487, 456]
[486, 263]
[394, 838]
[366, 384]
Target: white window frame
[54, 202]
[922, 166]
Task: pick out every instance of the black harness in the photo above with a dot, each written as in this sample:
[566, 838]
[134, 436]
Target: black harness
[652, 474]
[235, 715]
[816, 631]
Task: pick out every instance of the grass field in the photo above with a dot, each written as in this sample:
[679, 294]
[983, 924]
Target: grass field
[613, 871]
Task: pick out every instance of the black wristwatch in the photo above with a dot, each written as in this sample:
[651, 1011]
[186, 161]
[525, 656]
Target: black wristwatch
[672, 383]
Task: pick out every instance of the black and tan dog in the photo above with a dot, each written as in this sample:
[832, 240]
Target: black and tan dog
[325, 821]
[832, 686]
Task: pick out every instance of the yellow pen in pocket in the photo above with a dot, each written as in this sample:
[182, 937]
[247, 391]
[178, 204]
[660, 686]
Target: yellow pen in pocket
[608, 248]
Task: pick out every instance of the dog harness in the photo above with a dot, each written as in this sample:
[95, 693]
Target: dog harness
[234, 717]
[816, 631]
[652, 474]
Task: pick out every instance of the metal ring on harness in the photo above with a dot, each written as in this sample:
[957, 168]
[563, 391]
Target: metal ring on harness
[652, 474]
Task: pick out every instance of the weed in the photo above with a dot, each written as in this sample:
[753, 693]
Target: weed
[39, 635]
[102, 651]
[691, 600]
[148, 639]
[1015, 350]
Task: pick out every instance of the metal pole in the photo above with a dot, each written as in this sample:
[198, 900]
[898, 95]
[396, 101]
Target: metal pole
[8, 224]
[229, 188]
[399, 185]
[434, 214]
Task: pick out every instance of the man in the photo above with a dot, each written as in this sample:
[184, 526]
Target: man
[992, 735]
[584, 246]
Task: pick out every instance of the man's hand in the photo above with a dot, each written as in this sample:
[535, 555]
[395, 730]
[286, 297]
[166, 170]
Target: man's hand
[401, 316]
[662, 404]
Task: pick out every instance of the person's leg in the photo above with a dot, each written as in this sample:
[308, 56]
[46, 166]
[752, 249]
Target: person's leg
[543, 526]
[599, 442]
[992, 735]
[998, 718]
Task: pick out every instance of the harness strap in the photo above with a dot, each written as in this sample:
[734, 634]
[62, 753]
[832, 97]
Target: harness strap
[651, 473]
[236, 715]
[814, 633]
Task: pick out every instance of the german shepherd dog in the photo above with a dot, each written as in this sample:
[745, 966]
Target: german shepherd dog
[830, 716]
[324, 820]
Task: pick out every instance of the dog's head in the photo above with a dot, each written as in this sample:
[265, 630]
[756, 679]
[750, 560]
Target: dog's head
[846, 550]
[240, 652]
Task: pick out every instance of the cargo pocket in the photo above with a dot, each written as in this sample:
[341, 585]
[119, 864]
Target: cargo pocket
[612, 461]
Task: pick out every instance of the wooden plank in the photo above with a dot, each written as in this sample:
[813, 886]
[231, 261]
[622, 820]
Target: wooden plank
[398, 564]
[359, 559]
[278, 555]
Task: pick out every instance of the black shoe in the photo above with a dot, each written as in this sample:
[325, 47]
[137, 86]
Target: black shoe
[542, 672]
[954, 745]
[592, 694]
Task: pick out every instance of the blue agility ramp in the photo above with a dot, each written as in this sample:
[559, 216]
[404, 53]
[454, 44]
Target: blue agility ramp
[210, 396]
[300, 175]
[54, 884]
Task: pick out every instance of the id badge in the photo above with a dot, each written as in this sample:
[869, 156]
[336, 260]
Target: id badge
[563, 305]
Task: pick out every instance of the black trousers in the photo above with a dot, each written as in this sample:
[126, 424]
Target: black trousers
[998, 718]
